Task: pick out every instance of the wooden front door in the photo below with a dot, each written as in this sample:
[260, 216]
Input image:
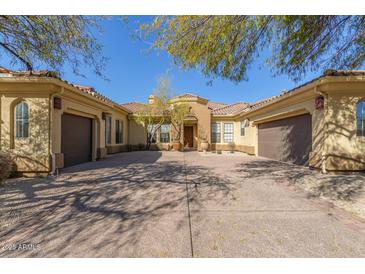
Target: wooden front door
[188, 136]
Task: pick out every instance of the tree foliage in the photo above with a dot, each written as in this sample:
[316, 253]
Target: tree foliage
[52, 41]
[161, 111]
[177, 113]
[154, 114]
[225, 46]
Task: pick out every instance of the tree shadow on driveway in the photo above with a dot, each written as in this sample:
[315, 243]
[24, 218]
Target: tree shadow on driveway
[104, 211]
[338, 186]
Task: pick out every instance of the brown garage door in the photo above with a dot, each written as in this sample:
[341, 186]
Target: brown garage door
[76, 139]
[288, 140]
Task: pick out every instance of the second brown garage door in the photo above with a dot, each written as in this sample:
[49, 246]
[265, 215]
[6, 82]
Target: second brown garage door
[76, 139]
[288, 140]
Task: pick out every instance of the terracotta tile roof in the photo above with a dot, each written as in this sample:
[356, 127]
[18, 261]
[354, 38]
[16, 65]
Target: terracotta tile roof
[92, 92]
[4, 70]
[189, 96]
[262, 102]
[331, 72]
[328, 72]
[25, 73]
[51, 74]
[214, 105]
[231, 109]
[134, 106]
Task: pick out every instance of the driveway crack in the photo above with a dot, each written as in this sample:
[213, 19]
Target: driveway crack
[188, 205]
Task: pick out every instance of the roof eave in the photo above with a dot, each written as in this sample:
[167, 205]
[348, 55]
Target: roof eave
[64, 84]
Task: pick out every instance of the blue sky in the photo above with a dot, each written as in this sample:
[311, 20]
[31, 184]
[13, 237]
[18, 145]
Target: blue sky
[133, 72]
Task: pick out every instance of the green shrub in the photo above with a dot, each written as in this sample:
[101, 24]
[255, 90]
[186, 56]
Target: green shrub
[6, 166]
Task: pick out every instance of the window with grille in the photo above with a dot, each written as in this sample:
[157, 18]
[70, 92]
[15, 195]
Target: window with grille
[243, 128]
[118, 131]
[360, 118]
[165, 133]
[228, 133]
[108, 130]
[216, 133]
[22, 120]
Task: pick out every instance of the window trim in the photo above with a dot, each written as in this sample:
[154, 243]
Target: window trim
[243, 125]
[22, 120]
[119, 127]
[108, 135]
[168, 134]
[242, 128]
[360, 118]
[215, 133]
[226, 133]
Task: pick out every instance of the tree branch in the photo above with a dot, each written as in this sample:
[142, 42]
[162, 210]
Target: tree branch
[16, 55]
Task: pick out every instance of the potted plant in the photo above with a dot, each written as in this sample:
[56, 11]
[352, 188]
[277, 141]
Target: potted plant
[231, 146]
[176, 145]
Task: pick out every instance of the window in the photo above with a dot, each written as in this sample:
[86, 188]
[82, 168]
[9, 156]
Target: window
[118, 131]
[108, 130]
[216, 133]
[165, 133]
[242, 126]
[151, 129]
[228, 132]
[21, 120]
[360, 118]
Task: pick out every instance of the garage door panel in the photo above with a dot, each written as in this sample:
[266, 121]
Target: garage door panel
[76, 139]
[288, 140]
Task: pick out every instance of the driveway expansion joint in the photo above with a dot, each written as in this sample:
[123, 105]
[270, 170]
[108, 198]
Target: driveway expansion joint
[188, 207]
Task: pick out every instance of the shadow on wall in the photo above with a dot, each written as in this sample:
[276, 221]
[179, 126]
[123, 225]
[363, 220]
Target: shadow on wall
[334, 186]
[288, 140]
[31, 154]
[106, 210]
[298, 139]
[345, 149]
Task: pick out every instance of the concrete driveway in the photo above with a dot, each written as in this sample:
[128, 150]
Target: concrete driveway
[171, 204]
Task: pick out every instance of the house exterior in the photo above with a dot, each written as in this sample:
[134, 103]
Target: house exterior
[48, 123]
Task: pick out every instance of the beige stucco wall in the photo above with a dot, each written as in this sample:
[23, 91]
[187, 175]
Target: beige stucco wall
[248, 138]
[37, 152]
[31, 153]
[77, 104]
[343, 149]
[292, 106]
[114, 147]
[202, 129]
[335, 145]
[334, 137]
[74, 104]
[137, 133]
[243, 143]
